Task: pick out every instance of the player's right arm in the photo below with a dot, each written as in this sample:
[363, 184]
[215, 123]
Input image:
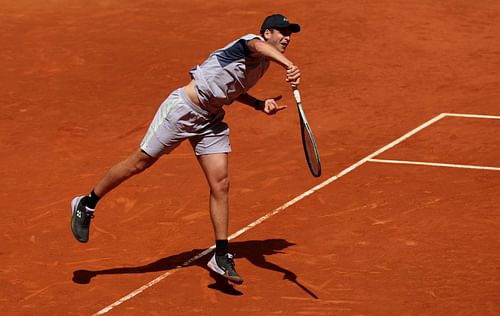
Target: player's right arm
[271, 53]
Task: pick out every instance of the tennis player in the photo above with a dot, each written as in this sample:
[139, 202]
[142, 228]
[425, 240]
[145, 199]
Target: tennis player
[195, 112]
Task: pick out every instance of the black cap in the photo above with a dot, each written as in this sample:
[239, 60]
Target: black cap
[278, 21]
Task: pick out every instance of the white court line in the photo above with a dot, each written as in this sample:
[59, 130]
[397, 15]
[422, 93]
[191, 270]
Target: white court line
[421, 163]
[274, 212]
[491, 117]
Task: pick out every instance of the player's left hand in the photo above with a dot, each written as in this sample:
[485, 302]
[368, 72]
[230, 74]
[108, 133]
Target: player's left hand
[272, 107]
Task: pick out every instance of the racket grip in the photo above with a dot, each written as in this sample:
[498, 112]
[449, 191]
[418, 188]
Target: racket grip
[296, 94]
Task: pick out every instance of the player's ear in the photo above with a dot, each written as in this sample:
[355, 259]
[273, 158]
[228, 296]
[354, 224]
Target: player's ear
[267, 34]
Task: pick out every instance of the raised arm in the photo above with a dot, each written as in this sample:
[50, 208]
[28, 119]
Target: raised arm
[270, 52]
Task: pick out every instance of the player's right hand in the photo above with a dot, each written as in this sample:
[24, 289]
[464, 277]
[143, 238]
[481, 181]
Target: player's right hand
[293, 75]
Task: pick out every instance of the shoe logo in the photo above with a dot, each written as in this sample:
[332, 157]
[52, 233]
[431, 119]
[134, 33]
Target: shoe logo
[79, 213]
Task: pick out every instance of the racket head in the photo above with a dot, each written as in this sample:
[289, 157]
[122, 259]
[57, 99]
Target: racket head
[310, 148]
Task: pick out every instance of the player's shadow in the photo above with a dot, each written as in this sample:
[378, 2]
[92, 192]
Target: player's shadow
[254, 251]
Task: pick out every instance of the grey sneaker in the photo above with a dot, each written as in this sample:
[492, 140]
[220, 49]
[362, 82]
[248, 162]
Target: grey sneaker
[224, 265]
[80, 219]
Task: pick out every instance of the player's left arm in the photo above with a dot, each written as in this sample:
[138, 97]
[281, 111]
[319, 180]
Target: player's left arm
[268, 106]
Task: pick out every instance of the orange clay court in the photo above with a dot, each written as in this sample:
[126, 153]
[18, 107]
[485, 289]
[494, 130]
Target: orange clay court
[403, 98]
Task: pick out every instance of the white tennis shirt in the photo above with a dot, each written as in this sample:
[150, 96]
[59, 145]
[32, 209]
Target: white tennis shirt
[228, 72]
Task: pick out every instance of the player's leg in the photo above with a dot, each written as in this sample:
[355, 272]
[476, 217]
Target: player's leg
[215, 167]
[161, 138]
[212, 153]
[136, 163]
[83, 206]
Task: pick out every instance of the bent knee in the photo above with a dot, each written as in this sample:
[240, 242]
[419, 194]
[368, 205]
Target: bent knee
[138, 167]
[139, 162]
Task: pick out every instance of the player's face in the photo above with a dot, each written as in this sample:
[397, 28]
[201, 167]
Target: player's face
[279, 38]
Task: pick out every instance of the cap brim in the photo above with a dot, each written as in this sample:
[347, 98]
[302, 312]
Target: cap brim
[295, 28]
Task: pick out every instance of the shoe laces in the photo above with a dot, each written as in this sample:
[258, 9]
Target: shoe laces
[229, 257]
[229, 260]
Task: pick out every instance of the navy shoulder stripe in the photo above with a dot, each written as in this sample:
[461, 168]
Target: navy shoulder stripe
[233, 53]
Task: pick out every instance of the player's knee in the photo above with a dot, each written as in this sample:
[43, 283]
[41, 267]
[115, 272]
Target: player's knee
[138, 165]
[220, 187]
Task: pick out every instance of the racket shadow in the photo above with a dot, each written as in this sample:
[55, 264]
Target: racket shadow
[255, 251]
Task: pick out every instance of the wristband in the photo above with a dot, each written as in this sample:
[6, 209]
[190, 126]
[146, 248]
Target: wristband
[256, 104]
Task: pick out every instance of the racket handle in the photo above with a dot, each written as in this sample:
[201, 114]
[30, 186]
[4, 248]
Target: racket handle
[296, 94]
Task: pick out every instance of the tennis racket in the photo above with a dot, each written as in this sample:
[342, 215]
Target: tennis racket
[308, 140]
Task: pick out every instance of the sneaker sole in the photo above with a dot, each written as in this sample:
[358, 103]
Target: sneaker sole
[74, 204]
[215, 268]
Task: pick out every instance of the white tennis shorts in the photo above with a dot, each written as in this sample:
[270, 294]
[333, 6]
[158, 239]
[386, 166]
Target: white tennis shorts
[178, 119]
